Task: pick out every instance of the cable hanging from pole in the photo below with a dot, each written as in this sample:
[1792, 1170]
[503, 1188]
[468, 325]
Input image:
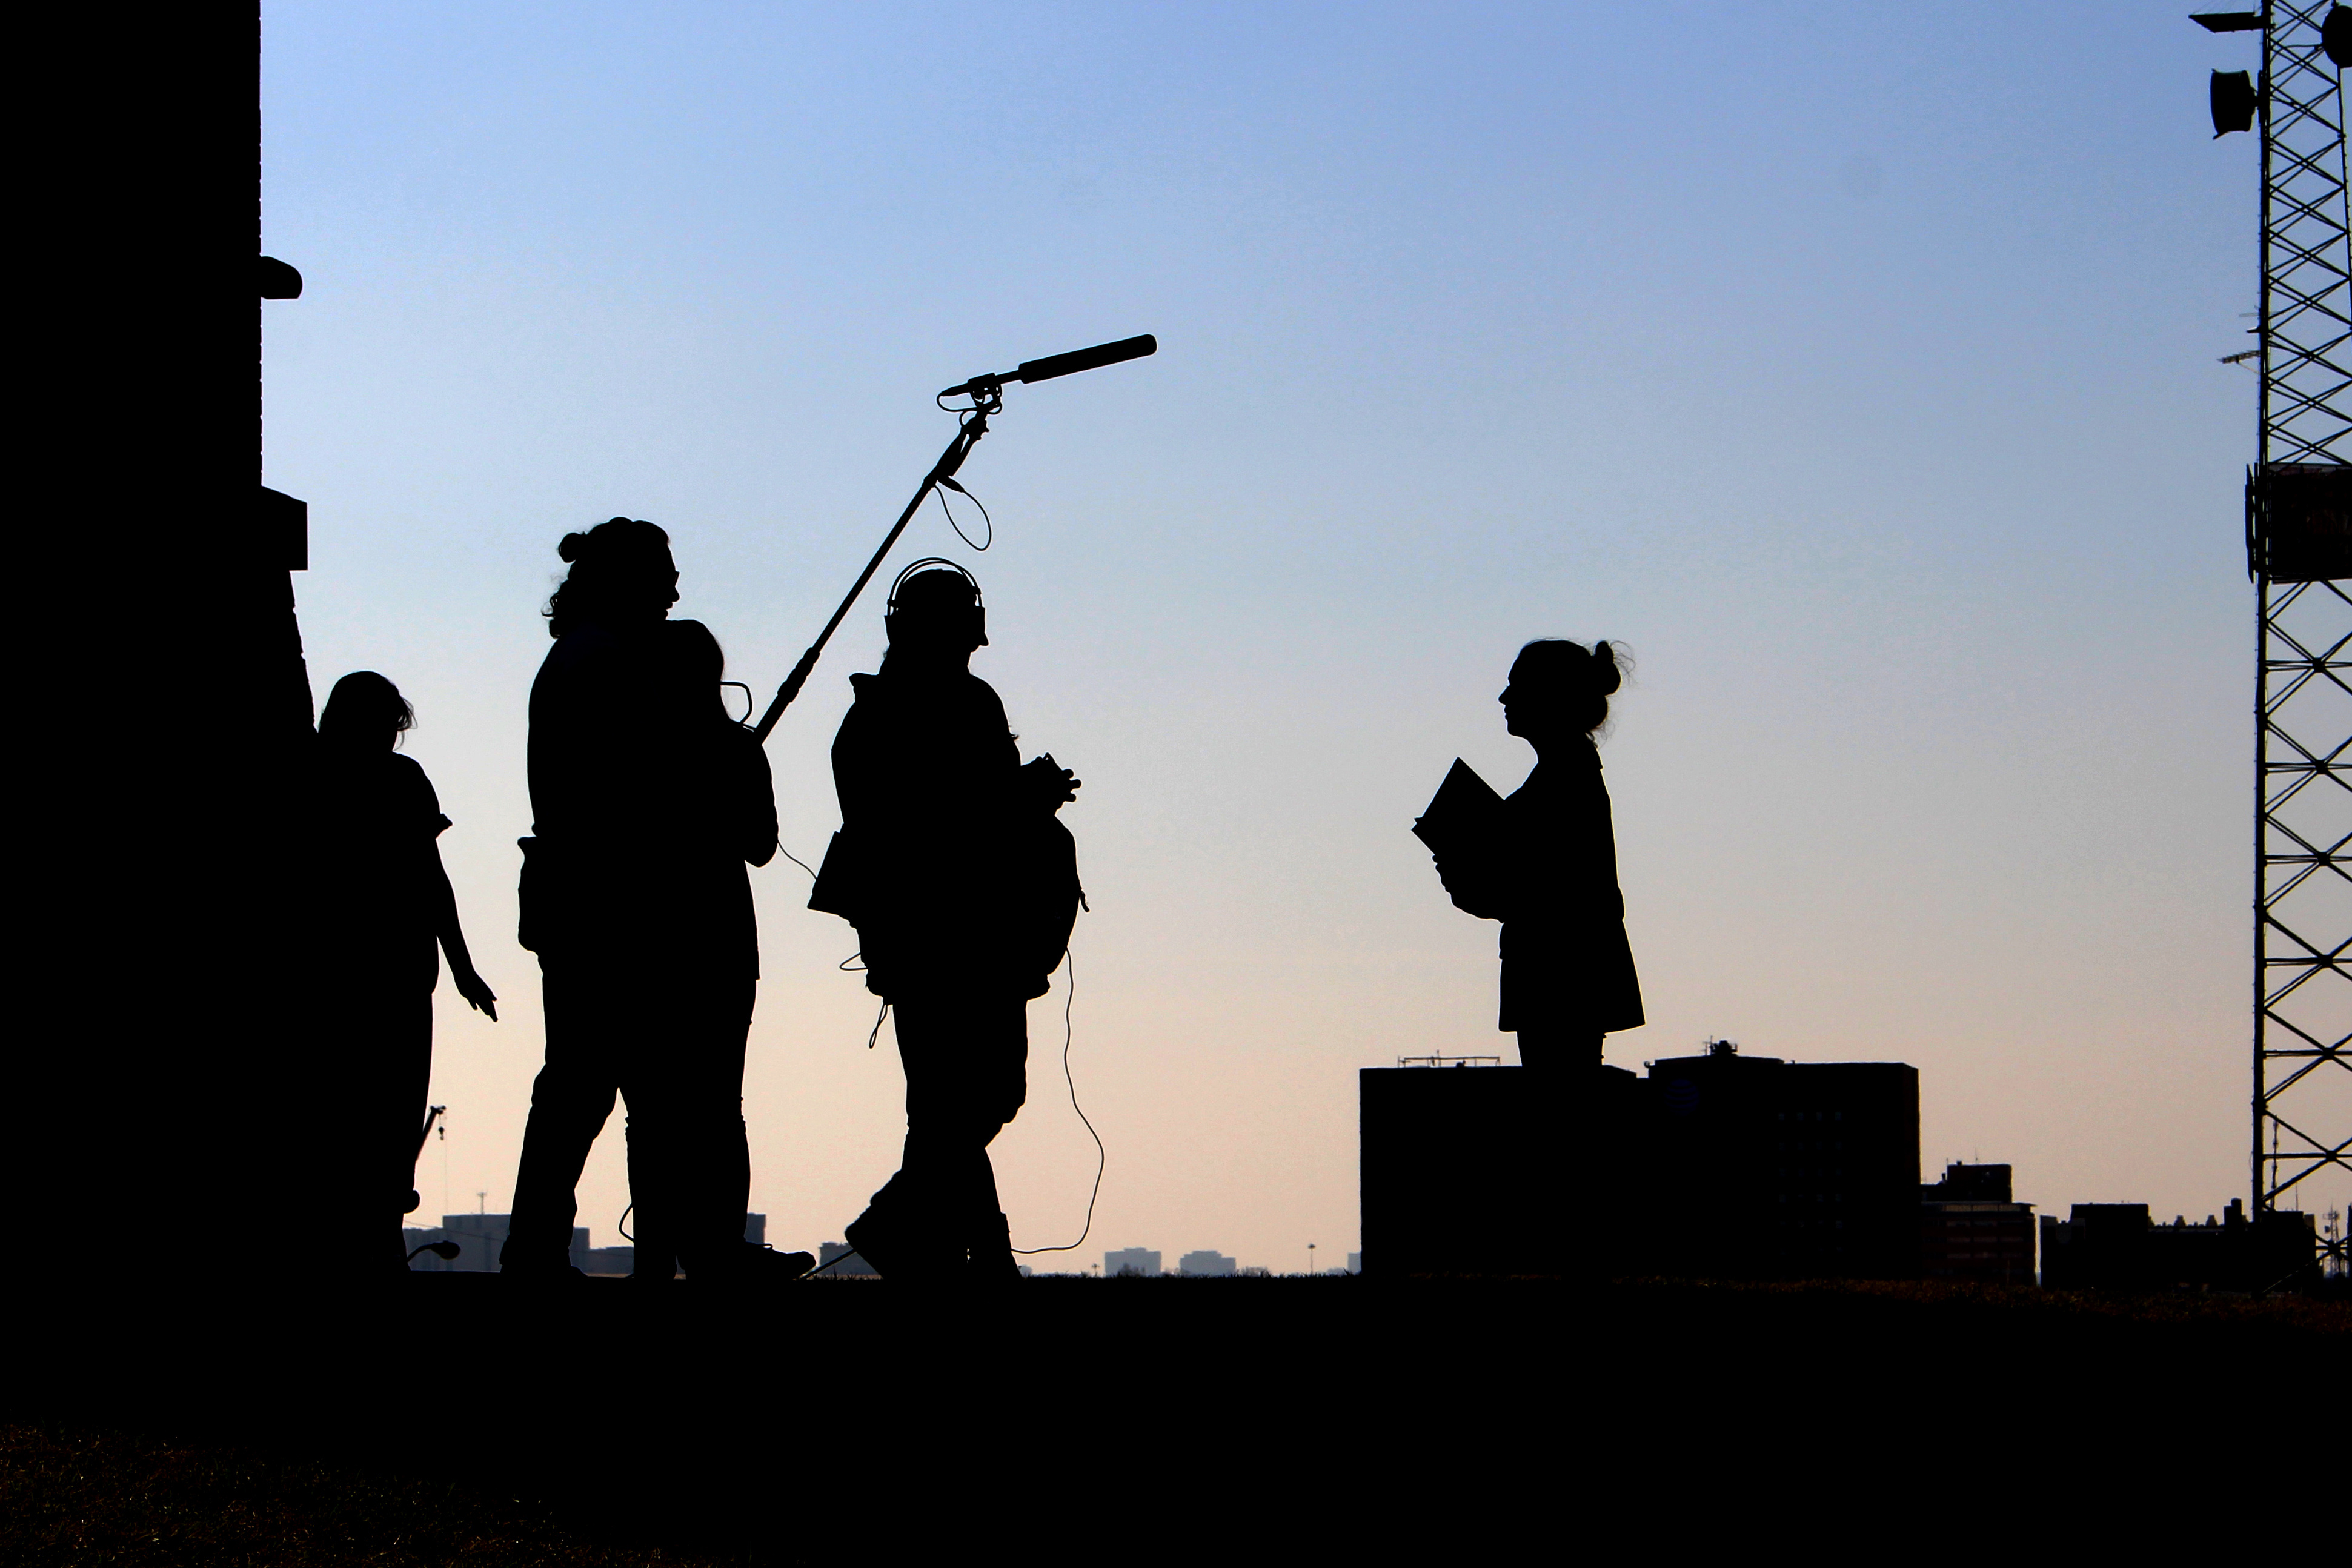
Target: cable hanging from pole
[987, 396]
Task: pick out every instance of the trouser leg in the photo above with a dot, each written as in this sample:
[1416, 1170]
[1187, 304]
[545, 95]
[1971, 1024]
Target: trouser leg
[654, 1235]
[570, 1101]
[1564, 1067]
[689, 1158]
[966, 1063]
[409, 1083]
[1552, 1051]
[371, 1088]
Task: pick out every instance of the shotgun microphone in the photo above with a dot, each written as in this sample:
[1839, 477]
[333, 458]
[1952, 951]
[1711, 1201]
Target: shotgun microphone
[1033, 371]
[987, 394]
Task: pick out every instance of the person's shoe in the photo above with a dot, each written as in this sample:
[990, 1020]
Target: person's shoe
[767, 1263]
[895, 1252]
[992, 1252]
[871, 1240]
[745, 1263]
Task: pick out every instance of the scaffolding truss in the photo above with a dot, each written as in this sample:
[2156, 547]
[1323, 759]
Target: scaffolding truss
[2303, 770]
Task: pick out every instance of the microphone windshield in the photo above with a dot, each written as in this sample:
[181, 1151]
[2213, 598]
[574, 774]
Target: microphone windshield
[1094, 358]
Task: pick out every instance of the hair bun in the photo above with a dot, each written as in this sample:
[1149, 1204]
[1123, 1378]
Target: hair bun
[1606, 677]
[571, 547]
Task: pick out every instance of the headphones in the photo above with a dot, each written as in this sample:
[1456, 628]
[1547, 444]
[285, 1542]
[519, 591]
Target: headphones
[979, 606]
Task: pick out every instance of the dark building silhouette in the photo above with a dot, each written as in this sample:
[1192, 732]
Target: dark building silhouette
[1767, 1169]
[2098, 1245]
[1969, 1228]
[146, 433]
[2117, 1247]
[1140, 1260]
[1470, 1170]
[1204, 1262]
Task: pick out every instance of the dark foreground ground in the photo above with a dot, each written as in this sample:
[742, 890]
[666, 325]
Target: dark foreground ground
[461, 1419]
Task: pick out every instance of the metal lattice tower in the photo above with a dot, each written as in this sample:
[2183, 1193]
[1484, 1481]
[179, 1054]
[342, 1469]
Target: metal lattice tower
[2297, 543]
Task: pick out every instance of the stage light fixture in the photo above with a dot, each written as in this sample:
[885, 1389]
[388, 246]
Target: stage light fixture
[2228, 21]
[2336, 35]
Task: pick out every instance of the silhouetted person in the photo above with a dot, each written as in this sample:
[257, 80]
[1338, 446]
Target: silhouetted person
[1550, 875]
[962, 886]
[387, 915]
[648, 802]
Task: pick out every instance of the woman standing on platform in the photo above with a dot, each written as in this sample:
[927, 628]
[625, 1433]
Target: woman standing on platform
[1550, 874]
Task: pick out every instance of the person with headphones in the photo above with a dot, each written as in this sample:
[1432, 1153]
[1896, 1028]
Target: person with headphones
[964, 886]
[647, 802]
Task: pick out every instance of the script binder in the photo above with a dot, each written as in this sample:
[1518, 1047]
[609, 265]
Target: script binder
[1464, 816]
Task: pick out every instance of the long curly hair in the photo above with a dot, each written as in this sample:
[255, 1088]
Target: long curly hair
[621, 571]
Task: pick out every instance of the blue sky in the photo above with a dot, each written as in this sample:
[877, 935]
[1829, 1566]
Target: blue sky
[1855, 365]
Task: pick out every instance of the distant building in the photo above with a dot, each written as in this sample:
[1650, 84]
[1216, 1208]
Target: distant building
[1969, 1228]
[1133, 1260]
[2098, 1245]
[1202, 1263]
[1355, 1263]
[478, 1238]
[1781, 1170]
[849, 1267]
[2117, 1247]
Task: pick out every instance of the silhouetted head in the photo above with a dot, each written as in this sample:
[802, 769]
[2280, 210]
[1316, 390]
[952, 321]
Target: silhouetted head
[935, 615]
[695, 660]
[1560, 688]
[696, 653]
[365, 712]
[621, 574]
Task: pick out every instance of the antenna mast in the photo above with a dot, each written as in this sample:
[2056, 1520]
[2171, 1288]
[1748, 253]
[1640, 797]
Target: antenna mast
[2299, 554]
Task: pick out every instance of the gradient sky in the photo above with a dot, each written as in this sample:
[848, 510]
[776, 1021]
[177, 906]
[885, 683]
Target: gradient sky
[1853, 365]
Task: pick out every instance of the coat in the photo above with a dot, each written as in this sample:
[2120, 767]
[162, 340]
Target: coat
[1551, 880]
[648, 802]
[956, 877]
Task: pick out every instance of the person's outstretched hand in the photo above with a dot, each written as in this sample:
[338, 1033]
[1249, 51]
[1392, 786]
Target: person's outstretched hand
[475, 990]
[1054, 785]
